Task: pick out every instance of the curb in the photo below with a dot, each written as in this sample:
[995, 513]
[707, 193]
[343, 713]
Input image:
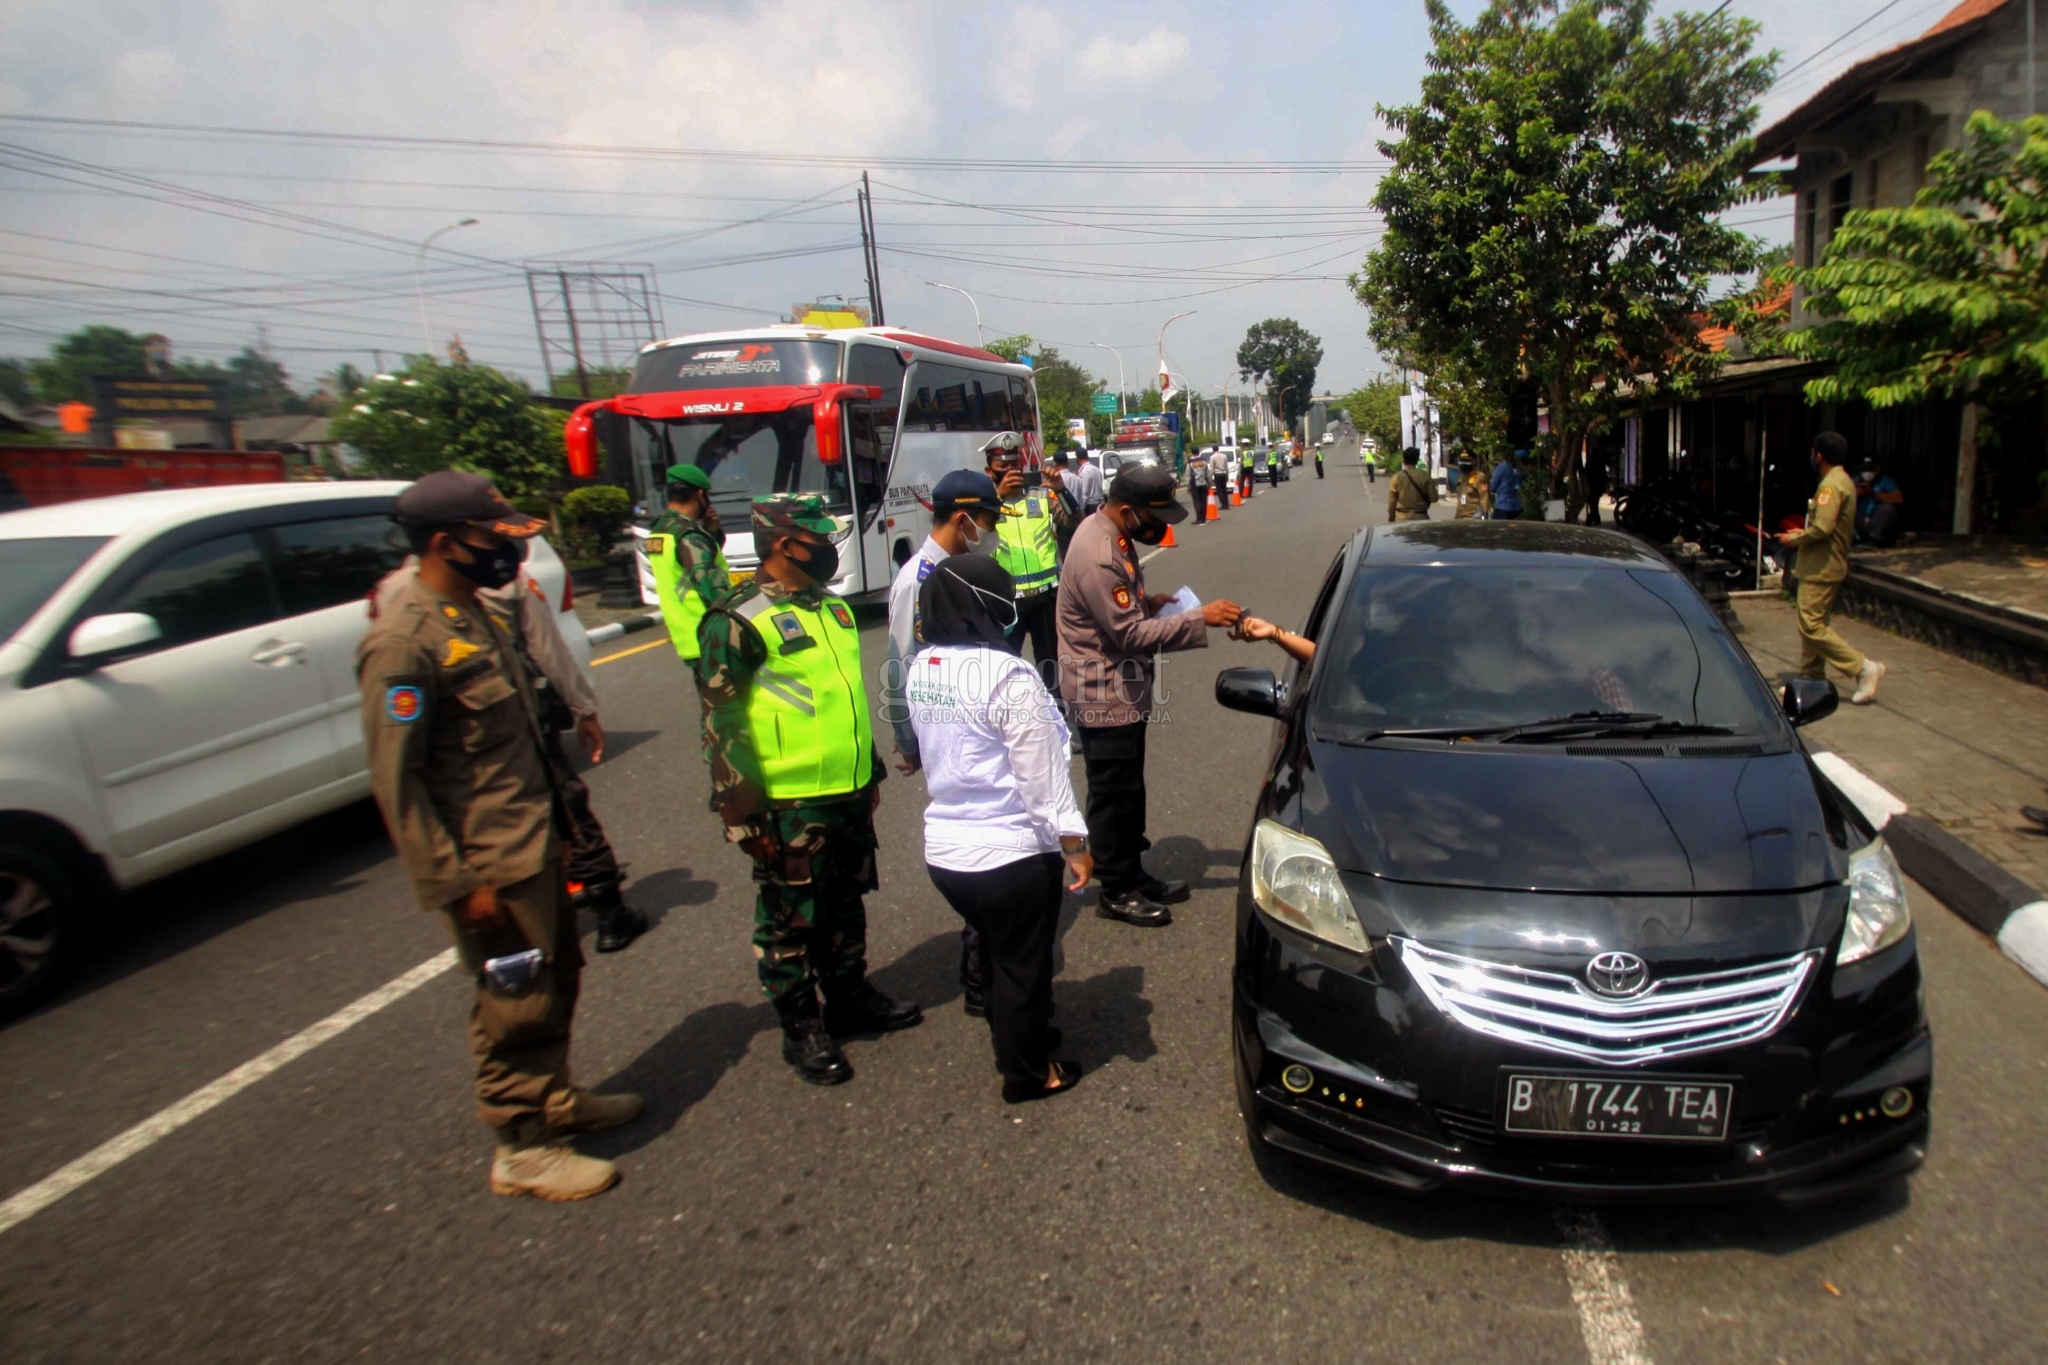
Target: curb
[1978, 890]
[614, 629]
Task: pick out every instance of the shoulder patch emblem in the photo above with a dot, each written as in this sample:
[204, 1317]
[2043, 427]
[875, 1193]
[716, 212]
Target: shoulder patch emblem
[840, 613]
[1122, 595]
[1824, 497]
[657, 545]
[1124, 544]
[458, 650]
[791, 627]
[403, 703]
[924, 569]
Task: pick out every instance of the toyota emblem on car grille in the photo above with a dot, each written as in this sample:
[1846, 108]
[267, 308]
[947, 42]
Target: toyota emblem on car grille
[1618, 974]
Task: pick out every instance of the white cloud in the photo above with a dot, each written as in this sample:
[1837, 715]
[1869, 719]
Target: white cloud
[1150, 57]
[1063, 142]
[1037, 37]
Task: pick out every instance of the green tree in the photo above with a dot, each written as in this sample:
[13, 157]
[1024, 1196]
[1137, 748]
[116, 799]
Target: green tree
[346, 381]
[1553, 210]
[251, 384]
[1280, 352]
[432, 416]
[604, 382]
[1064, 389]
[1375, 409]
[66, 374]
[593, 519]
[15, 385]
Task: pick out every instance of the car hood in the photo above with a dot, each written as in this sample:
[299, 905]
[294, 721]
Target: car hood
[1550, 822]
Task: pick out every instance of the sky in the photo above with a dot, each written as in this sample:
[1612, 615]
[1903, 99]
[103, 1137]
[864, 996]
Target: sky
[718, 142]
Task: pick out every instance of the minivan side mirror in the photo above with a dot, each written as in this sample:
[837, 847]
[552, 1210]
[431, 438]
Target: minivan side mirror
[1808, 699]
[97, 637]
[1253, 690]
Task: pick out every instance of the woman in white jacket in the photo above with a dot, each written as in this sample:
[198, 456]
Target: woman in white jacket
[1003, 829]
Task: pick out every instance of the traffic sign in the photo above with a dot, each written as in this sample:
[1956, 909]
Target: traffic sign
[1105, 404]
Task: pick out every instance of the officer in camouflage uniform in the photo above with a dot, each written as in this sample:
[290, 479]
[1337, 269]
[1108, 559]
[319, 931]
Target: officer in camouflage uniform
[685, 551]
[795, 779]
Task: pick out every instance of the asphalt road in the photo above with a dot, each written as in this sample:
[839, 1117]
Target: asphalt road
[337, 1209]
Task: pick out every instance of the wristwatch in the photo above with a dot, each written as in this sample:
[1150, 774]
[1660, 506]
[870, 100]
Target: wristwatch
[1081, 847]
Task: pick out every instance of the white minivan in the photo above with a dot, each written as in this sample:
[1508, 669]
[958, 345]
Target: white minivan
[177, 679]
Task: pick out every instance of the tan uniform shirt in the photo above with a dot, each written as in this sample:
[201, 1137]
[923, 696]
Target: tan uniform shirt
[455, 752]
[1107, 639]
[1409, 494]
[1830, 523]
[524, 606]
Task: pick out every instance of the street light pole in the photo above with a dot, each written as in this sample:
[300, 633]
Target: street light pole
[1162, 338]
[419, 280]
[980, 338]
[1120, 385]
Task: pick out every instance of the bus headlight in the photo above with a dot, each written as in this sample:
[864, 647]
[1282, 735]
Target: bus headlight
[1878, 916]
[1295, 881]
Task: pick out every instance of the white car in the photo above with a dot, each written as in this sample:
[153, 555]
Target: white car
[177, 679]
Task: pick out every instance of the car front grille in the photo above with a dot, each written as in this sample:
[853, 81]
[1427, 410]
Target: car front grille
[1677, 1016]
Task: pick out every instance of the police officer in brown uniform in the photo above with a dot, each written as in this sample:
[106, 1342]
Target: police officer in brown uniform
[458, 768]
[1823, 564]
[1410, 491]
[1110, 630]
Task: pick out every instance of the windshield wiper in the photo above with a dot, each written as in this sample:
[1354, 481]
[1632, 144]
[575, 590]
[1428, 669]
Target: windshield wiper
[1541, 732]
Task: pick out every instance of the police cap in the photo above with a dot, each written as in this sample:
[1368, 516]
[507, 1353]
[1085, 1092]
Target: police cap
[1149, 487]
[449, 497]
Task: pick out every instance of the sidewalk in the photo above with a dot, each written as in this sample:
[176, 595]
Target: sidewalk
[1962, 746]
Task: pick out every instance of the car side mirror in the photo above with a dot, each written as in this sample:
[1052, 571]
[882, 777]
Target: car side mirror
[1808, 699]
[98, 637]
[1252, 690]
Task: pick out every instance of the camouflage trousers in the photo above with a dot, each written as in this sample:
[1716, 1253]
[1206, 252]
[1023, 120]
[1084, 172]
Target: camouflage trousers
[810, 924]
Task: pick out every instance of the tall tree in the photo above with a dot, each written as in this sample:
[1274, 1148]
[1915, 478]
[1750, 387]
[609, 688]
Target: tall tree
[433, 416]
[1375, 409]
[1065, 390]
[1280, 351]
[66, 374]
[1552, 213]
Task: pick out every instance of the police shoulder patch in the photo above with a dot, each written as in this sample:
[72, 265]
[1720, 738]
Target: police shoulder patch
[924, 569]
[840, 613]
[403, 703]
[1824, 497]
[791, 627]
[1122, 595]
[657, 545]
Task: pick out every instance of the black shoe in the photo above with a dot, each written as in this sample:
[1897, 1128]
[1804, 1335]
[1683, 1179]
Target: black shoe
[866, 1010]
[1165, 892]
[974, 1000]
[1021, 1092]
[1135, 908]
[810, 1049]
[617, 928]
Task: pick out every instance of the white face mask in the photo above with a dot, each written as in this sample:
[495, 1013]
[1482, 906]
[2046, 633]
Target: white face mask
[978, 541]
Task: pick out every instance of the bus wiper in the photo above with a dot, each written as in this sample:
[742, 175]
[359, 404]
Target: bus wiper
[1595, 729]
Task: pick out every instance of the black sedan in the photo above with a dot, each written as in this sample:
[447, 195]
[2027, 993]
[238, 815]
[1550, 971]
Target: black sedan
[1544, 896]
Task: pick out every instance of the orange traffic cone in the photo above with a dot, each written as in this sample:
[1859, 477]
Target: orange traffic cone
[1213, 510]
[1168, 543]
[1236, 498]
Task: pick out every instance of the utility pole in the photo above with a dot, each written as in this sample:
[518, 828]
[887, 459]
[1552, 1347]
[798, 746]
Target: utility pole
[870, 252]
[575, 340]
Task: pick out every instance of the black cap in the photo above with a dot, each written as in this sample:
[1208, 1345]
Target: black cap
[966, 490]
[1149, 487]
[450, 496]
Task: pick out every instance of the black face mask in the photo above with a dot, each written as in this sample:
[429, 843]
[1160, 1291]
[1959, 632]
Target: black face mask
[1146, 531]
[492, 568]
[819, 560]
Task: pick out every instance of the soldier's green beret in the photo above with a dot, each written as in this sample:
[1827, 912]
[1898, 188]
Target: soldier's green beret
[799, 511]
[689, 474]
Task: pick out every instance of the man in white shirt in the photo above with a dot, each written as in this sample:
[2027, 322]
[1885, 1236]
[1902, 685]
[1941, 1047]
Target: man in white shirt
[1091, 494]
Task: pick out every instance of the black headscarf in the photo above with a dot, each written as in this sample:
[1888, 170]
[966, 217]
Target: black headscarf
[967, 600]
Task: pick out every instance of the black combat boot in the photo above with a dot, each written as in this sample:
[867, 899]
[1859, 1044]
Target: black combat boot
[857, 1007]
[808, 1047]
[618, 923]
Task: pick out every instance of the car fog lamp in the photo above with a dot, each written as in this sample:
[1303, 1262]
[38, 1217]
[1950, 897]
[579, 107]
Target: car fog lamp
[1878, 916]
[1297, 1079]
[1896, 1102]
[1294, 880]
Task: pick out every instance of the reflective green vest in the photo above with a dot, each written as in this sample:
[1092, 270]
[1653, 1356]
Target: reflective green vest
[808, 709]
[682, 607]
[1026, 545]
[1245, 456]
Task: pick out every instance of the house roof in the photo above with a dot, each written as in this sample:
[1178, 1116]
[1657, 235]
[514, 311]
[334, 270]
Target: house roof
[1779, 303]
[1854, 86]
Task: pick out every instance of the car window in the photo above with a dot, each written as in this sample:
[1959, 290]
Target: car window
[1424, 647]
[32, 570]
[208, 589]
[326, 563]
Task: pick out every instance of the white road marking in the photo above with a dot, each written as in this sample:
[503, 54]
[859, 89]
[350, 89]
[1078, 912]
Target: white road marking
[1607, 1311]
[27, 1203]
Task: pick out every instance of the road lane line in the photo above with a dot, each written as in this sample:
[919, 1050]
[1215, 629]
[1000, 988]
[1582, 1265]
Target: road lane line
[628, 653]
[1607, 1311]
[27, 1203]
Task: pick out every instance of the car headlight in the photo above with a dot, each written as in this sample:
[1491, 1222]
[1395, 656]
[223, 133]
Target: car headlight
[1878, 916]
[1295, 881]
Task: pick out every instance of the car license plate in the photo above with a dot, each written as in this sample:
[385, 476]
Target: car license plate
[1582, 1104]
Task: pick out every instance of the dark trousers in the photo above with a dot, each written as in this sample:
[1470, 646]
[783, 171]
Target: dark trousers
[1115, 759]
[591, 860]
[1319, 466]
[1038, 621]
[1200, 497]
[1015, 910]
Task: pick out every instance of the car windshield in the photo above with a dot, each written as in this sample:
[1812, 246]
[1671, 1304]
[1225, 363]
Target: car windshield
[747, 457]
[32, 570]
[1429, 647]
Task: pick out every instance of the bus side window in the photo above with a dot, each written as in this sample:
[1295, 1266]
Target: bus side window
[882, 367]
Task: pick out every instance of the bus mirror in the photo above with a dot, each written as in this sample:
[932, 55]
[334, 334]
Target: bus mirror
[831, 443]
[580, 435]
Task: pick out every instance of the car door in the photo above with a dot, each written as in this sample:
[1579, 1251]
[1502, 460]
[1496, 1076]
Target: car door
[218, 718]
[326, 568]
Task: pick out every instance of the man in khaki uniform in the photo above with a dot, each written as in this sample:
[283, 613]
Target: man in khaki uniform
[1823, 563]
[1410, 491]
[458, 768]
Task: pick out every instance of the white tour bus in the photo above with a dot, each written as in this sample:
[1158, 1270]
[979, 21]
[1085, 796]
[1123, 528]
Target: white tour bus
[871, 417]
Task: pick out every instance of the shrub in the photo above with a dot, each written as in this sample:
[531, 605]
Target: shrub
[594, 518]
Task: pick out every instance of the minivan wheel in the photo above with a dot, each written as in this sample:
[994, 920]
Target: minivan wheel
[39, 919]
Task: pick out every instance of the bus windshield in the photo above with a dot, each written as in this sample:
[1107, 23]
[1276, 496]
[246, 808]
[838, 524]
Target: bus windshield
[747, 457]
[736, 365]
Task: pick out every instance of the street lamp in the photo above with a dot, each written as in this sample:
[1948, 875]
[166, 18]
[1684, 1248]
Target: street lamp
[1162, 339]
[419, 280]
[980, 337]
[1120, 385]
